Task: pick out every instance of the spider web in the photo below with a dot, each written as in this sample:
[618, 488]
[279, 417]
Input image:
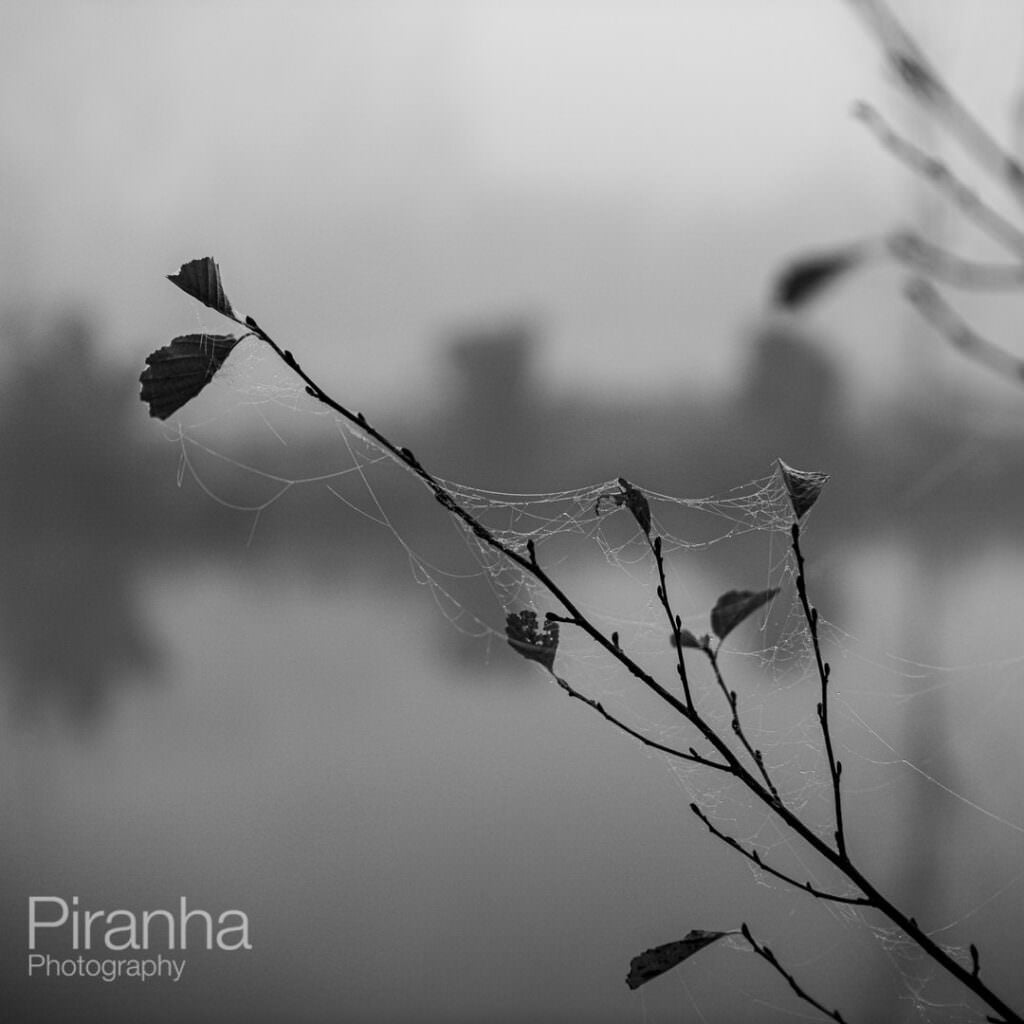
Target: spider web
[597, 553]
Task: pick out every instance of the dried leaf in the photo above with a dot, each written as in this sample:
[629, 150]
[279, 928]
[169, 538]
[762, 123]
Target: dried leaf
[734, 606]
[808, 277]
[803, 486]
[635, 500]
[177, 372]
[201, 280]
[660, 959]
[687, 639]
[537, 645]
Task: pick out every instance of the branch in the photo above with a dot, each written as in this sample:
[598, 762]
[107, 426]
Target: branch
[915, 252]
[766, 954]
[691, 755]
[674, 621]
[737, 727]
[811, 615]
[936, 173]
[927, 300]
[755, 858]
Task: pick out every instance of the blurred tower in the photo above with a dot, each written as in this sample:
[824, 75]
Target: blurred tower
[494, 426]
[792, 401]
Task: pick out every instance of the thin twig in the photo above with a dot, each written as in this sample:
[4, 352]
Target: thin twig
[691, 755]
[754, 857]
[766, 954]
[732, 699]
[674, 621]
[811, 615]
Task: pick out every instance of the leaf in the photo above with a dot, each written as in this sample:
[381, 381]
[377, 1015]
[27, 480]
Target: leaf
[177, 372]
[660, 959]
[687, 639]
[536, 645]
[803, 486]
[734, 606]
[808, 277]
[635, 500]
[201, 280]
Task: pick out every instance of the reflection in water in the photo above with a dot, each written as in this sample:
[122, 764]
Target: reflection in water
[70, 626]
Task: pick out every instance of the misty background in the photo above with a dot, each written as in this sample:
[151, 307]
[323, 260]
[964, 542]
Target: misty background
[535, 242]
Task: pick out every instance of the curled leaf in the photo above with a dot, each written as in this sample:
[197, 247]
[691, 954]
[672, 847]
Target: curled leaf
[535, 644]
[660, 959]
[176, 373]
[634, 499]
[734, 606]
[809, 276]
[201, 279]
[802, 485]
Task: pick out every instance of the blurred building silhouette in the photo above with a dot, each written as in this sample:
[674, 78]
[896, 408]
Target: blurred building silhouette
[494, 421]
[72, 510]
[792, 396]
